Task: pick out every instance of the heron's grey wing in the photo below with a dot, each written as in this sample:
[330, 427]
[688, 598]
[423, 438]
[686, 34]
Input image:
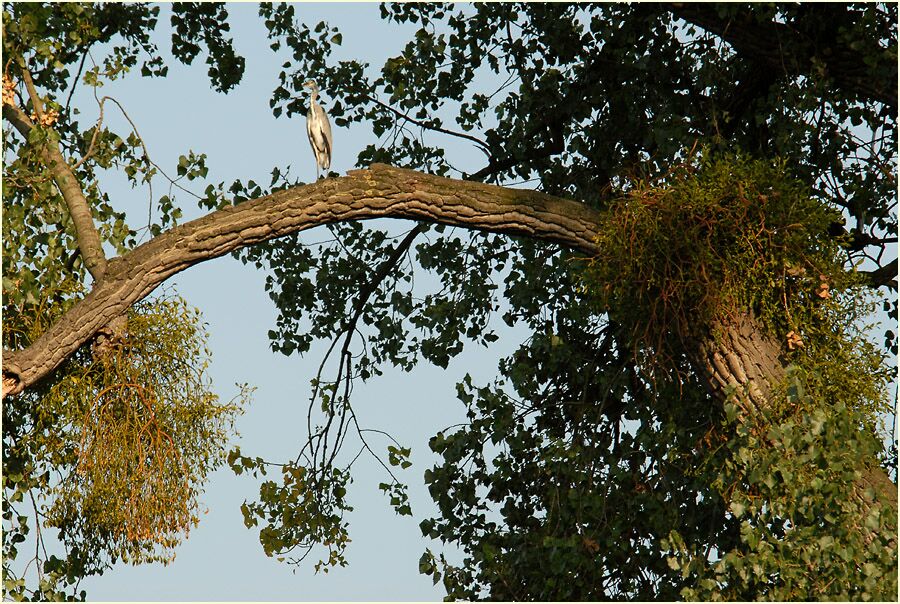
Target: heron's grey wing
[326, 133]
[319, 132]
[311, 129]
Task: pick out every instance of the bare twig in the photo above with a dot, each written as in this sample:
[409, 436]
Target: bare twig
[482, 145]
[77, 77]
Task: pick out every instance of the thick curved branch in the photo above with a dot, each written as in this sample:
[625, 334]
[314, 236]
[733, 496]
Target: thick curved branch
[785, 49]
[379, 192]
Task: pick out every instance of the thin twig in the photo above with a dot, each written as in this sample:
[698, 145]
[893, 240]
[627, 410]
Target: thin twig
[90, 148]
[483, 145]
[77, 77]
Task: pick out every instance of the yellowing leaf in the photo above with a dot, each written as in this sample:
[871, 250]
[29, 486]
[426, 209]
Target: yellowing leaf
[794, 340]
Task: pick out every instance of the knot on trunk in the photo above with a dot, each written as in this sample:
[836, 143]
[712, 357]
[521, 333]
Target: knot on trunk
[110, 337]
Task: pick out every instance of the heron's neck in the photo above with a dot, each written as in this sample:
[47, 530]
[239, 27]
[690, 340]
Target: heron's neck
[314, 94]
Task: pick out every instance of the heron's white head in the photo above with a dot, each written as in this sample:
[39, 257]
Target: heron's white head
[311, 85]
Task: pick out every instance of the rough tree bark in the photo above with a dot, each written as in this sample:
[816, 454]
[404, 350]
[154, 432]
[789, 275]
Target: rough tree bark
[744, 357]
[741, 357]
[379, 192]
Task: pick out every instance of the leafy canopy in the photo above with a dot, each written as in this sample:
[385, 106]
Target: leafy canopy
[577, 477]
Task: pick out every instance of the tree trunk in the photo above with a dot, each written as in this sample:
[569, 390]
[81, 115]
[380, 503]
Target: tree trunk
[741, 357]
[744, 360]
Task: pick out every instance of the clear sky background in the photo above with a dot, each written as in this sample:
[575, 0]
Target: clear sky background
[222, 559]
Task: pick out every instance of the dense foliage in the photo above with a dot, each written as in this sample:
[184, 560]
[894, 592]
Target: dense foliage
[693, 499]
[597, 465]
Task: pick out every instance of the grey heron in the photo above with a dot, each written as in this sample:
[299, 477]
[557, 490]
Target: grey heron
[319, 130]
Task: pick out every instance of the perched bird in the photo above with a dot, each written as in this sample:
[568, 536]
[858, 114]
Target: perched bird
[319, 130]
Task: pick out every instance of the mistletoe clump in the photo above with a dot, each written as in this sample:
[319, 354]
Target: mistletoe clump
[708, 240]
[141, 430]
